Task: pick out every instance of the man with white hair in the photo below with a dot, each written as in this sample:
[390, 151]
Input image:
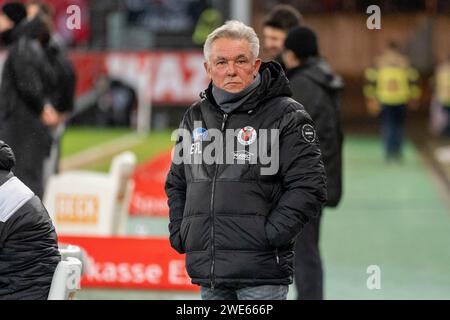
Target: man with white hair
[236, 222]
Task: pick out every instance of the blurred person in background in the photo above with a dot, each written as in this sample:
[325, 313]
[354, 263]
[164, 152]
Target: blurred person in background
[276, 27]
[209, 20]
[111, 103]
[116, 103]
[316, 87]
[28, 242]
[40, 24]
[26, 110]
[391, 87]
[442, 91]
[237, 225]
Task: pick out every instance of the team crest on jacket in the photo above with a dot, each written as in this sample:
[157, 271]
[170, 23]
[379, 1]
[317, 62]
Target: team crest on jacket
[199, 134]
[247, 136]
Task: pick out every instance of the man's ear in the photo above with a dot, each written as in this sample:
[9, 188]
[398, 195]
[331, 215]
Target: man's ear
[258, 63]
[207, 69]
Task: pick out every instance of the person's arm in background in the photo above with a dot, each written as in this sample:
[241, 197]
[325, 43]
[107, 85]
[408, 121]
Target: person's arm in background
[370, 91]
[68, 87]
[303, 179]
[414, 87]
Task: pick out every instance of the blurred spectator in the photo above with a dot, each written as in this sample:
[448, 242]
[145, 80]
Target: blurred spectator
[275, 28]
[26, 110]
[28, 241]
[316, 87]
[62, 94]
[391, 86]
[116, 104]
[209, 20]
[442, 91]
[112, 103]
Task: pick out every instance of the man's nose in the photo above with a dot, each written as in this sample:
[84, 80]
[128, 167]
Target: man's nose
[231, 70]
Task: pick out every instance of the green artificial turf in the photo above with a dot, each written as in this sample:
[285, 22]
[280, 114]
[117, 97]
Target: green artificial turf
[77, 139]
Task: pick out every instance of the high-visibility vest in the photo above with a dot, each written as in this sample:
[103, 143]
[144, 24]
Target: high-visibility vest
[209, 20]
[443, 85]
[392, 85]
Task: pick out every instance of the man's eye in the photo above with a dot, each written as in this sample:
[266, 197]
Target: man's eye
[241, 61]
[220, 62]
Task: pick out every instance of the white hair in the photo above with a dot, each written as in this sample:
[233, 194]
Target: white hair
[233, 29]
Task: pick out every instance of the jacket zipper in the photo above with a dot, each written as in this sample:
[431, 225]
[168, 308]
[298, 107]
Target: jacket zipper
[224, 121]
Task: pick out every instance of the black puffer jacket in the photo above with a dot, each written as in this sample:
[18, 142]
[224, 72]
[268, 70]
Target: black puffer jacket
[316, 87]
[236, 225]
[28, 243]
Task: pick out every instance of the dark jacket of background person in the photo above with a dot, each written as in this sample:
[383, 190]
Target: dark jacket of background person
[61, 91]
[28, 83]
[28, 242]
[236, 226]
[316, 87]
[63, 96]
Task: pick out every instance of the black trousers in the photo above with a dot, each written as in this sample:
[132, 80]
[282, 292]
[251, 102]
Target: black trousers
[308, 264]
[393, 129]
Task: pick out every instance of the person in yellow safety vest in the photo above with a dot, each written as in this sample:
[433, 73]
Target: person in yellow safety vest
[209, 20]
[390, 87]
[442, 90]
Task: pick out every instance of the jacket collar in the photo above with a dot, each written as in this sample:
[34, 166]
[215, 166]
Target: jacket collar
[273, 84]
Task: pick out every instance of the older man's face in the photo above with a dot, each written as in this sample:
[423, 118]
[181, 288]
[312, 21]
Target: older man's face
[231, 65]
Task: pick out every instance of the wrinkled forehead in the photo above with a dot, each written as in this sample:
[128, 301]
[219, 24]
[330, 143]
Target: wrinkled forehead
[230, 49]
